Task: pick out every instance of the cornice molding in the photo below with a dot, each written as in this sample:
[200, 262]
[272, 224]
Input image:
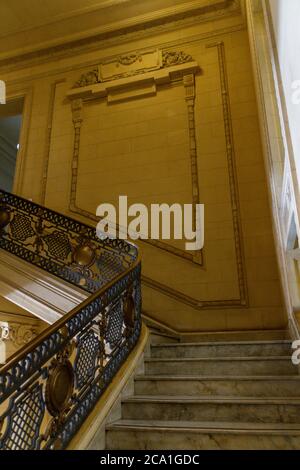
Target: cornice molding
[84, 64]
[191, 13]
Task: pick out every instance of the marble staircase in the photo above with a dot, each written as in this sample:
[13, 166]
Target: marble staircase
[212, 395]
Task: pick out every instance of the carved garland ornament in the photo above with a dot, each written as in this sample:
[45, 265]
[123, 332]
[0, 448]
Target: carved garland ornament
[168, 59]
[4, 331]
[89, 78]
[175, 58]
[129, 59]
[18, 333]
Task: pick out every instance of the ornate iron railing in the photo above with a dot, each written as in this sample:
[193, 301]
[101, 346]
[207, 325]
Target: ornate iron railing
[50, 386]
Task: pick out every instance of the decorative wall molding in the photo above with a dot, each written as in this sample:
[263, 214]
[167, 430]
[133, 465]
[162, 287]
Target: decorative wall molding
[191, 301]
[166, 67]
[189, 84]
[4, 331]
[15, 332]
[157, 66]
[18, 333]
[16, 92]
[19, 92]
[134, 29]
[48, 138]
[130, 64]
[243, 300]
[140, 62]
[233, 182]
[83, 63]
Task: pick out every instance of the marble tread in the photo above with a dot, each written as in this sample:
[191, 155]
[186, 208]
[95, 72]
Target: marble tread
[165, 435]
[207, 426]
[260, 365]
[251, 386]
[221, 349]
[212, 395]
[272, 410]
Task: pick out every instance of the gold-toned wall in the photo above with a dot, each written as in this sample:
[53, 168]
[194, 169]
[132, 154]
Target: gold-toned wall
[142, 148]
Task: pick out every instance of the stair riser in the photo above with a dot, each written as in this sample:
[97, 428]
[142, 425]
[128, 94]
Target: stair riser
[238, 368]
[221, 412]
[141, 439]
[274, 335]
[234, 388]
[220, 351]
[156, 338]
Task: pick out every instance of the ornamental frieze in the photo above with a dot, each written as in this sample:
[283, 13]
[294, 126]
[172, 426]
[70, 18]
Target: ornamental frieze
[133, 63]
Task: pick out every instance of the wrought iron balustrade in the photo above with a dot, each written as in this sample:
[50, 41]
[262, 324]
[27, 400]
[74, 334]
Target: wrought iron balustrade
[51, 385]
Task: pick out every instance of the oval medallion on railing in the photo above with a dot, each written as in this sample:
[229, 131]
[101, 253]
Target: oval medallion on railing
[59, 388]
[4, 216]
[129, 311]
[84, 255]
[40, 399]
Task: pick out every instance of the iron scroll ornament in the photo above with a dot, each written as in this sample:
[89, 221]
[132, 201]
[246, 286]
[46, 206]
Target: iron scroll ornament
[52, 384]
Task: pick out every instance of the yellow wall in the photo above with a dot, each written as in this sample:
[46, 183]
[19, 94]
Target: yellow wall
[141, 148]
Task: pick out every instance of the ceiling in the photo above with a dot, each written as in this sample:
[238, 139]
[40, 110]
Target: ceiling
[23, 15]
[30, 26]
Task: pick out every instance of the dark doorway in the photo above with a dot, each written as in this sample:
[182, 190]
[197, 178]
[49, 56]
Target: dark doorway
[10, 128]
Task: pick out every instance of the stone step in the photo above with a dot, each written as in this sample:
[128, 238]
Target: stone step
[260, 386]
[159, 338]
[229, 349]
[221, 409]
[254, 335]
[237, 366]
[180, 435]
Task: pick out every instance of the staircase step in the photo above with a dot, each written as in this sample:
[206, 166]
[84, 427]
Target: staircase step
[254, 335]
[238, 366]
[262, 410]
[158, 337]
[239, 394]
[229, 349]
[181, 435]
[260, 386]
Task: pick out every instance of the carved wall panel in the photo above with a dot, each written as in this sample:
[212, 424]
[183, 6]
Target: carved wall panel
[169, 126]
[85, 96]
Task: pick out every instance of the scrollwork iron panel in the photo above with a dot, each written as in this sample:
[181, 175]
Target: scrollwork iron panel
[50, 241]
[90, 343]
[88, 351]
[115, 324]
[23, 421]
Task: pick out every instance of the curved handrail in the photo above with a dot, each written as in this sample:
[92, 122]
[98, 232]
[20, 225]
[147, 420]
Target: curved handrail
[51, 384]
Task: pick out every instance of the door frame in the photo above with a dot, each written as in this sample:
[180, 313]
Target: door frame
[24, 94]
